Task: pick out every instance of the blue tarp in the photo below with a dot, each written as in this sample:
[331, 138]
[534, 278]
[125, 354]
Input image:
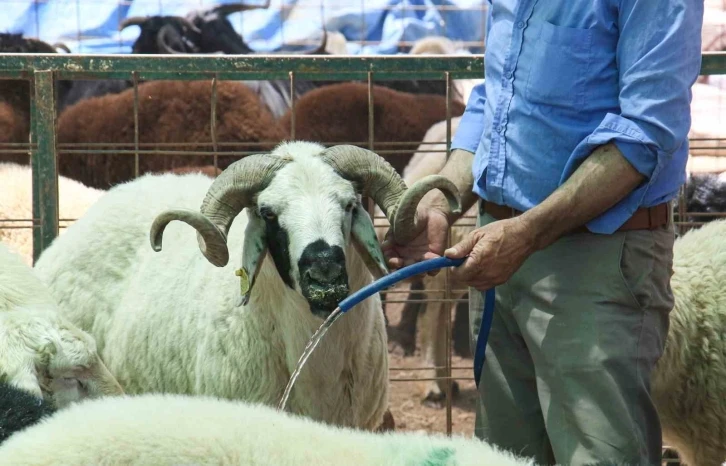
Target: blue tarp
[90, 26]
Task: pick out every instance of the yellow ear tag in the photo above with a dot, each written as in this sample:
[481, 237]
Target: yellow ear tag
[244, 280]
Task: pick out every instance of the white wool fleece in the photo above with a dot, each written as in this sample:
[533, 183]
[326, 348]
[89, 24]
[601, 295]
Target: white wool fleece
[168, 322]
[16, 202]
[177, 430]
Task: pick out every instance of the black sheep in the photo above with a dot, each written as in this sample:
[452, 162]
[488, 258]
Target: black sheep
[19, 409]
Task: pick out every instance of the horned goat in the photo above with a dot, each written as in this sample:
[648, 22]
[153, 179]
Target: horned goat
[16, 203]
[210, 31]
[170, 115]
[174, 429]
[171, 322]
[41, 352]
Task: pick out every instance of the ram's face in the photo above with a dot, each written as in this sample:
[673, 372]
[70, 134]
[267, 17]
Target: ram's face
[305, 217]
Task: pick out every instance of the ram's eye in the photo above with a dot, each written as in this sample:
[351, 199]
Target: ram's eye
[267, 214]
[350, 206]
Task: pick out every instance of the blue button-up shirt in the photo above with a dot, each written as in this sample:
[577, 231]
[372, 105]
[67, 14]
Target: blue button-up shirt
[563, 77]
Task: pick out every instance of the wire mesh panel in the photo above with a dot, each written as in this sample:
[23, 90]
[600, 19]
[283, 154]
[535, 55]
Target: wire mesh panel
[184, 113]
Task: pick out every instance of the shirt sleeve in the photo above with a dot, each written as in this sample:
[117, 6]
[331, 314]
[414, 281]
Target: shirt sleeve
[659, 58]
[471, 126]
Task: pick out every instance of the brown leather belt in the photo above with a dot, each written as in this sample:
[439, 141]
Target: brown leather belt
[645, 218]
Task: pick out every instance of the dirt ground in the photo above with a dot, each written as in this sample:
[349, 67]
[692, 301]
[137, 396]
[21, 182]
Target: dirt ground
[409, 413]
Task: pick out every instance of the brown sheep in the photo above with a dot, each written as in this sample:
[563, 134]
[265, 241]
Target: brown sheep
[174, 112]
[15, 97]
[14, 128]
[338, 113]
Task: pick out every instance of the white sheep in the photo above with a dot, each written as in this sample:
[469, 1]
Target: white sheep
[161, 430]
[689, 381]
[40, 352]
[16, 203]
[169, 321]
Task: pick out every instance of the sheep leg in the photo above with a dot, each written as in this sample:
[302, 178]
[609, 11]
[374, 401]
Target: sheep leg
[460, 330]
[403, 335]
[434, 349]
[693, 449]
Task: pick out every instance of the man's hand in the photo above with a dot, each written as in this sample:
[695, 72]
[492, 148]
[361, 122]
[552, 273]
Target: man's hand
[429, 244]
[433, 216]
[498, 249]
[495, 252]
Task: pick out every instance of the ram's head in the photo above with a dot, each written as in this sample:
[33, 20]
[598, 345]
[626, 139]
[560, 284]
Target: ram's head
[304, 206]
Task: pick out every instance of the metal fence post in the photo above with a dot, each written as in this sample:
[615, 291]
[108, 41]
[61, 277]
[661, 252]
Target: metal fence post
[43, 159]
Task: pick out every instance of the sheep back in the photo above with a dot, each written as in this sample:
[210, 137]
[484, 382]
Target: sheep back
[689, 380]
[17, 203]
[167, 429]
[169, 112]
[338, 113]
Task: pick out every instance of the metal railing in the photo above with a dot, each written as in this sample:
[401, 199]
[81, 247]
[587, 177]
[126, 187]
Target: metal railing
[42, 72]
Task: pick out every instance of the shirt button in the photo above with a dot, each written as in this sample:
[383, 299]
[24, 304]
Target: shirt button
[520, 24]
[500, 128]
[508, 75]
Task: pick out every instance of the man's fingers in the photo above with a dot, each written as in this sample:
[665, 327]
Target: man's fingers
[463, 247]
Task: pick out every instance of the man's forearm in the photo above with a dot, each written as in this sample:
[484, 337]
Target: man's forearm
[603, 179]
[458, 170]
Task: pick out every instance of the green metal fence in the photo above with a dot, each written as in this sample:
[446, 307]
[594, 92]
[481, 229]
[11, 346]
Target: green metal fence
[42, 72]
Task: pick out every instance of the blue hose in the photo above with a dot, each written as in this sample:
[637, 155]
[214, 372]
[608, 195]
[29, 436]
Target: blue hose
[397, 276]
[423, 267]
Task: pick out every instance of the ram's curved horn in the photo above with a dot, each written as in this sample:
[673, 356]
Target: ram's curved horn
[321, 48]
[132, 21]
[233, 190]
[186, 22]
[162, 41]
[37, 45]
[229, 8]
[140, 20]
[375, 177]
[62, 46]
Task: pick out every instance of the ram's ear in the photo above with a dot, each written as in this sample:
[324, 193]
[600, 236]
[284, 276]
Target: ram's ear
[366, 242]
[254, 250]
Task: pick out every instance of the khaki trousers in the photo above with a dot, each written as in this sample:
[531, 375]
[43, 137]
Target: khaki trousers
[575, 336]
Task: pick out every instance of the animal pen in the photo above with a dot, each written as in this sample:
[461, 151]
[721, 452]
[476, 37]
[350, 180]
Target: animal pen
[45, 151]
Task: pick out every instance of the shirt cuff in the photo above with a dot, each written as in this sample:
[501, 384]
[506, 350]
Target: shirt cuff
[468, 135]
[637, 148]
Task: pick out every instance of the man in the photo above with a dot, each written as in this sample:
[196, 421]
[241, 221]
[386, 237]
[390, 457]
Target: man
[581, 124]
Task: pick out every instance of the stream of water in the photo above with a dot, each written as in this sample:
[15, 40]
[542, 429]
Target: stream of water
[312, 344]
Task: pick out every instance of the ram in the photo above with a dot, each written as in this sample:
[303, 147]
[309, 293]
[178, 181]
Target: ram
[173, 321]
[173, 430]
[42, 353]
